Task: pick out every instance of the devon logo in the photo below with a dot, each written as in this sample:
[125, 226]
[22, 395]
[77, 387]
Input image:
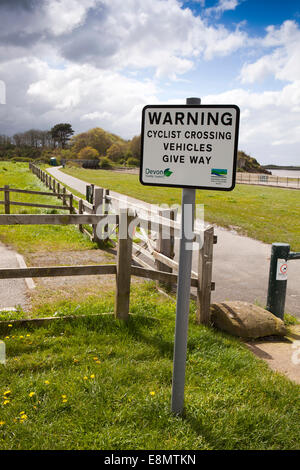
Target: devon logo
[218, 172]
[158, 173]
[168, 172]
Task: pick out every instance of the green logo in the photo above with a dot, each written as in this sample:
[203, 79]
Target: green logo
[168, 172]
[219, 172]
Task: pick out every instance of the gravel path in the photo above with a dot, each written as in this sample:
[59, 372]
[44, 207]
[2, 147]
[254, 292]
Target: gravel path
[241, 264]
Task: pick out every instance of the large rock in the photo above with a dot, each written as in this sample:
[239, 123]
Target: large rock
[246, 320]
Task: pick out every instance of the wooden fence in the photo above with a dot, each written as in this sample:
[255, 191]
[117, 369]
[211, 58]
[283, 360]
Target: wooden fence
[8, 202]
[153, 255]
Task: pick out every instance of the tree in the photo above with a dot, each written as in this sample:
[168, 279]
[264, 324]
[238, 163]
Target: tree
[88, 153]
[135, 147]
[61, 133]
[116, 152]
[96, 138]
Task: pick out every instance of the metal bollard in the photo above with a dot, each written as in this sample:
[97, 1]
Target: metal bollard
[278, 279]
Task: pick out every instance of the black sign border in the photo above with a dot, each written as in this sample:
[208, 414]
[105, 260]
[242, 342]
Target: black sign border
[197, 106]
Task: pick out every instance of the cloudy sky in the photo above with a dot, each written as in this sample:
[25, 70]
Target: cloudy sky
[98, 62]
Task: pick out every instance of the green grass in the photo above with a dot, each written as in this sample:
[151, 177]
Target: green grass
[266, 214]
[27, 238]
[122, 399]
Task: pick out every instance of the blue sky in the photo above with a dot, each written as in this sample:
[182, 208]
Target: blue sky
[98, 62]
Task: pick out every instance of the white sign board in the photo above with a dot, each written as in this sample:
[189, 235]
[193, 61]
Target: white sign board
[282, 270]
[190, 146]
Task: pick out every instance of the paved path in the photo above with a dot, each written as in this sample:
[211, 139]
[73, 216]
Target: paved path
[241, 264]
[12, 291]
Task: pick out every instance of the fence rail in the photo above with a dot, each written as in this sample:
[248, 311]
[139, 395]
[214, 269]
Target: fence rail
[268, 180]
[55, 219]
[7, 202]
[154, 257]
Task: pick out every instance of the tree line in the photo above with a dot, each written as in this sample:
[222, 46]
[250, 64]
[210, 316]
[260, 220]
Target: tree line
[95, 145]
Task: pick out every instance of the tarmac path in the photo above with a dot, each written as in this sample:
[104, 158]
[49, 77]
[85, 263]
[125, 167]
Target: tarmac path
[12, 291]
[240, 264]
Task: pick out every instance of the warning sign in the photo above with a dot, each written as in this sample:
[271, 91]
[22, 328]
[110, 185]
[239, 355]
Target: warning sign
[190, 146]
[282, 270]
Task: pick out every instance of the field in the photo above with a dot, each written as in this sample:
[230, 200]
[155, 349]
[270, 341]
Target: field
[95, 383]
[92, 382]
[35, 238]
[266, 214]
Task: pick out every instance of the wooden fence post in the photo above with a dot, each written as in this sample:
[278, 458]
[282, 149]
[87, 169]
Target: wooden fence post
[205, 263]
[6, 200]
[165, 245]
[106, 206]
[80, 211]
[71, 204]
[124, 255]
[58, 190]
[64, 197]
[97, 208]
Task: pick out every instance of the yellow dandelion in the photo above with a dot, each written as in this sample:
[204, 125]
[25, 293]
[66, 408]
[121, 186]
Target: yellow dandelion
[21, 337]
[85, 377]
[23, 417]
[10, 325]
[152, 393]
[31, 394]
[22, 412]
[7, 392]
[96, 358]
[27, 336]
[64, 400]
[6, 402]
[97, 362]
[92, 376]
[6, 337]
[46, 382]
[76, 360]
[2, 423]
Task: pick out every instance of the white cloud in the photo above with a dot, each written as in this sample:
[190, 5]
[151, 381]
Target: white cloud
[159, 35]
[223, 5]
[84, 61]
[284, 60]
[267, 128]
[105, 99]
[63, 16]
[2, 92]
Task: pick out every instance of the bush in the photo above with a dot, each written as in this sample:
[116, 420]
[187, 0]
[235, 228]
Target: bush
[91, 164]
[21, 159]
[133, 162]
[88, 153]
[105, 163]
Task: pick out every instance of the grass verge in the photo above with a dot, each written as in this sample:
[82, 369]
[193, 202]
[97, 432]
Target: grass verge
[266, 214]
[96, 383]
[30, 238]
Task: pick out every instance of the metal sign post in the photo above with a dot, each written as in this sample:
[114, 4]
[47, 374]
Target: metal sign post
[183, 294]
[188, 146]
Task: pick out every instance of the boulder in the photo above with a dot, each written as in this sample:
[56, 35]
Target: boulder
[246, 320]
